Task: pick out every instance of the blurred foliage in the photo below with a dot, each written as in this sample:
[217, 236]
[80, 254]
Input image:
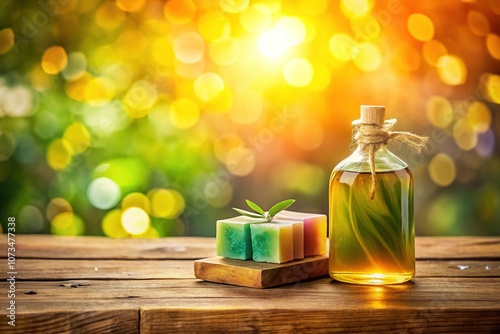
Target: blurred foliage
[147, 118]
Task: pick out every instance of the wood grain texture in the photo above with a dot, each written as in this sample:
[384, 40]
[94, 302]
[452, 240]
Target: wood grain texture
[324, 293]
[457, 247]
[317, 320]
[61, 321]
[257, 274]
[68, 269]
[57, 247]
[149, 286]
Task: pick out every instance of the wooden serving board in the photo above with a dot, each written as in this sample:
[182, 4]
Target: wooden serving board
[258, 274]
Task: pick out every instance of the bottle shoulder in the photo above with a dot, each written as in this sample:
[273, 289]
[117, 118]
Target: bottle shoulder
[358, 161]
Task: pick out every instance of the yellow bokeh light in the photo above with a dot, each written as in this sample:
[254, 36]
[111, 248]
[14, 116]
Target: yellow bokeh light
[442, 170]
[493, 45]
[288, 31]
[464, 134]
[56, 206]
[6, 40]
[478, 23]
[272, 43]
[226, 143]
[109, 16]
[292, 29]
[103, 193]
[189, 47]
[255, 18]
[342, 47]
[112, 226]
[54, 60]
[493, 88]
[298, 72]
[140, 97]
[246, 108]
[451, 70]
[308, 134]
[208, 86]
[240, 161]
[99, 91]
[76, 68]
[135, 221]
[439, 111]
[213, 25]
[59, 154]
[184, 113]
[137, 200]
[78, 137]
[166, 203]
[67, 223]
[76, 89]
[420, 27]
[356, 8]
[233, 6]
[224, 51]
[368, 58]
[479, 116]
[179, 11]
[432, 51]
[130, 5]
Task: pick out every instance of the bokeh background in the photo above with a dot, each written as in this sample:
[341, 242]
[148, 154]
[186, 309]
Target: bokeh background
[149, 118]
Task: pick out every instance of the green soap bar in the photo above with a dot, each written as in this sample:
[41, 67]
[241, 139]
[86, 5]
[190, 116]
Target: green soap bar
[272, 242]
[233, 237]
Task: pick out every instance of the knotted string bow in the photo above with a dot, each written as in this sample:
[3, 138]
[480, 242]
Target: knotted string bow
[370, 137]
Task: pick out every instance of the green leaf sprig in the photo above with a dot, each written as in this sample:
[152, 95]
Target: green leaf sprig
[260, 213]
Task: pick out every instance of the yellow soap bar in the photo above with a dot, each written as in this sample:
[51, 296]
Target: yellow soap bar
[314, 230]
[298, 237]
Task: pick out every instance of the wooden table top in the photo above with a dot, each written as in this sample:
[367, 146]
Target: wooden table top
[100, 285]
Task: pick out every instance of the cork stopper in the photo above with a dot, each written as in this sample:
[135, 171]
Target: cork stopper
[372, 114]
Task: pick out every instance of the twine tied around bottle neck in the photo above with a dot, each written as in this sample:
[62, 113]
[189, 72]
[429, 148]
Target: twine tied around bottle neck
[370, 137]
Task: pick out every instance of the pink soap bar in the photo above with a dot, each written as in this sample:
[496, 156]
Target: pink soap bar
[314, 230]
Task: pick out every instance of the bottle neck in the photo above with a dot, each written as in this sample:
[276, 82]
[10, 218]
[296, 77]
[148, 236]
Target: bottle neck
[359, 161]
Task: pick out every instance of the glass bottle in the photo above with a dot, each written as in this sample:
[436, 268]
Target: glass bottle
[372, 241]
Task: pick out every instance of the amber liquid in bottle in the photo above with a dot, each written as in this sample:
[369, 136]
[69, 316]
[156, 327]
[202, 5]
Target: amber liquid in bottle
[372, 241]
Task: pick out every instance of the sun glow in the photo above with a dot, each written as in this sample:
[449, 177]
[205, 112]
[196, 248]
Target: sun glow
[289, 31]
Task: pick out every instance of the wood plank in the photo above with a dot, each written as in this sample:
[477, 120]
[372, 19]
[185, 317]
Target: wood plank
[433, 304]
[100, 321]
[55, 247]
[318, 320]
[422, 293]
[257, 274]
[58, 247]
[67, 269]
[457, 247]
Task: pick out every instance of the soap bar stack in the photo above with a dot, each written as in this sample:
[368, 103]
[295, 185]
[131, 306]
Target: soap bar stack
[290, 236]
